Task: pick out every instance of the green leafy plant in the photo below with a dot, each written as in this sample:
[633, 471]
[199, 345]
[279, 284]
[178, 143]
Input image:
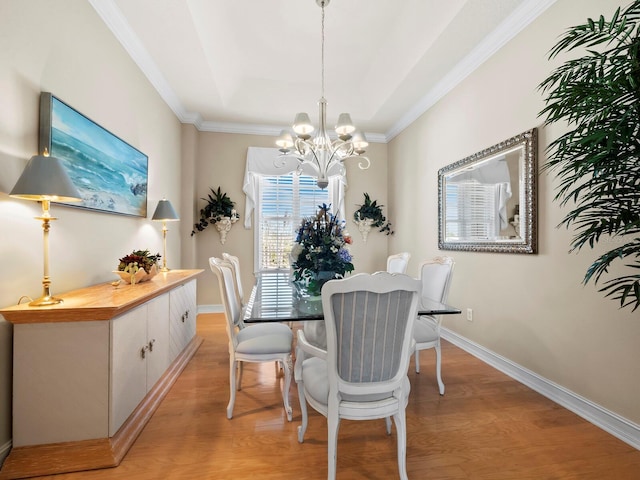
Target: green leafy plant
[597, 161]
[371, 209]
[138, 259]
[218, 205]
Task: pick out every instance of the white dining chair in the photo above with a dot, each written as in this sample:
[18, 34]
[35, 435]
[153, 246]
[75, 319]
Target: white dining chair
[235, 264]
[435, 276]
[397, 263]
[264, 342]
[362, 375]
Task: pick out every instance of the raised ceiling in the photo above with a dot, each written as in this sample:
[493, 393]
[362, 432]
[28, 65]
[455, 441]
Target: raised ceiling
[247, 66]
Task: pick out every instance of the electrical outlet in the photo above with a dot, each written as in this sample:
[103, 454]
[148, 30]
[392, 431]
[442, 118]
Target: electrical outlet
[470, 314]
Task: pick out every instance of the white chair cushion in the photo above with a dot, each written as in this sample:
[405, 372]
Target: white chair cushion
[316, 384]
[425, 330]
[264, 338]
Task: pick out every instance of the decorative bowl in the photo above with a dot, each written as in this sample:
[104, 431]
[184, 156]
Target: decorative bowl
[140, 276]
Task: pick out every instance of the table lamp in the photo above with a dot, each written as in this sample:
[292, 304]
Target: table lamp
[164, 213]
[44, 180]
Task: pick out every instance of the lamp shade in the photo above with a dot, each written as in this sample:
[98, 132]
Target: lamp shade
[165, 212]
[359, 140]
[344, 125]
[302, 124]
[45, 179]
[284, 141]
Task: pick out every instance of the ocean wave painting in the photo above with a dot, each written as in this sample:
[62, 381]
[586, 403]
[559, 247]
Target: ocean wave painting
[110, 174]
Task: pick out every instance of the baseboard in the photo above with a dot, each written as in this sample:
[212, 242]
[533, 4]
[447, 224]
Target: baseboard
[619, 427]
[4, 451]
[210, 309]
[51, 459]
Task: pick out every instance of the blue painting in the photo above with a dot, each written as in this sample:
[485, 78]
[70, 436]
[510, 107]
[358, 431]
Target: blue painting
[110, 174]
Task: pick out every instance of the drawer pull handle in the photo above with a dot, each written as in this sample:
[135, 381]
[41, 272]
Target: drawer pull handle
[151, 342]
[143, 351]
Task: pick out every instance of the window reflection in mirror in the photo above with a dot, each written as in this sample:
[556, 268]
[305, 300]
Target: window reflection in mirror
[487, 201]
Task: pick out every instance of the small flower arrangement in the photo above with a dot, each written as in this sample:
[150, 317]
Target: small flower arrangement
[320, 251]
[138, 266]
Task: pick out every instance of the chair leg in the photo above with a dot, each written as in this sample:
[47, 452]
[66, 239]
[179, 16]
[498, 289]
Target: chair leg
[439, 369]
[302, 428]
[417, 360]
[233, 365]
[401, 432]
[240, 370]
[387, 421]
[287, 367]
[333, 423]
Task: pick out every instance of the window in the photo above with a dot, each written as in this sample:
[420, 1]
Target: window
[283, 200]
[471, 212]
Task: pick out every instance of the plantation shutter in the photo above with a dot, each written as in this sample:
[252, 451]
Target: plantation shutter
[283, 201]
[471, 211]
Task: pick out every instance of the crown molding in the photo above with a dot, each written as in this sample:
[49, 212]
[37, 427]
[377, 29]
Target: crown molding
[509, 28]
[115, 21]
[113, 18]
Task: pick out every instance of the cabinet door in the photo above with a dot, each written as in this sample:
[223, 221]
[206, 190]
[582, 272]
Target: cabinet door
[157, 339]
[128, 367]
[183, 317]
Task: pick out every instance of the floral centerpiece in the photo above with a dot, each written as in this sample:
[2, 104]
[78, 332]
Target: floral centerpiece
[138, 266]
[320, 252]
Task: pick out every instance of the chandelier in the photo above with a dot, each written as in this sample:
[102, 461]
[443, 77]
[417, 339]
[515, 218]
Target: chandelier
[318, 153]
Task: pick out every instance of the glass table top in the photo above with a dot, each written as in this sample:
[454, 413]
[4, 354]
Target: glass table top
[274, 298]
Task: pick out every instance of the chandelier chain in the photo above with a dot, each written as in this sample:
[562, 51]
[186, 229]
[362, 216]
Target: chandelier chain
[322, 53]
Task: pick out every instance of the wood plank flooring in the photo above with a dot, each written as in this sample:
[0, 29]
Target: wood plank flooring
[486, 427]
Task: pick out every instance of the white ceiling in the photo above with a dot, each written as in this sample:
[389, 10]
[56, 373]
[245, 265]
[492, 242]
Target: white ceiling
[248, 66]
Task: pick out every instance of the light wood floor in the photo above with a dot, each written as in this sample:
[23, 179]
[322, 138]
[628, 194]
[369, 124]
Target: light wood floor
[486, 426]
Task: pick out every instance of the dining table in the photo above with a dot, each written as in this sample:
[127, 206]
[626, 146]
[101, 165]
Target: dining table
[276, 298]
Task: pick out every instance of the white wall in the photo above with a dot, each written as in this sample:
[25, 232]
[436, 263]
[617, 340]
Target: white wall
[531, 309]
[64, 48]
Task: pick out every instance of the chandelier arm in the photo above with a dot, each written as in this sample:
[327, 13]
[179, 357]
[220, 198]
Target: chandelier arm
[337, 144]
[362, 165]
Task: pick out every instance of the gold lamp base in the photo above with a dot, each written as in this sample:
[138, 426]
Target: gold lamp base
[45, 301]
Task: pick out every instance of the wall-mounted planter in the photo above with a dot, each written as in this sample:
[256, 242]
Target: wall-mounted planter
[364, 226]
[224, 226]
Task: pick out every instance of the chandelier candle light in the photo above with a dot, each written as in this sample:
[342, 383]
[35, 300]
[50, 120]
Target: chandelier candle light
[323, 156]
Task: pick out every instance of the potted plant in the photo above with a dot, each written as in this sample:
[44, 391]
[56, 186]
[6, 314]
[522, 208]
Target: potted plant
[370, 215]
[218, 211]
[596, 160]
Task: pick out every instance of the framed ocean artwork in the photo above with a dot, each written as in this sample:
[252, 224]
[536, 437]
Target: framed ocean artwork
[110, 174]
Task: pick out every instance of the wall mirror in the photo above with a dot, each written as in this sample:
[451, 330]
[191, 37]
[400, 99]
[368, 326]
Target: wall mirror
[488, 202]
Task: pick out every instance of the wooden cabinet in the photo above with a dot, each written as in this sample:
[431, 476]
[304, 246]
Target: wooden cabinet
[89, 373]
